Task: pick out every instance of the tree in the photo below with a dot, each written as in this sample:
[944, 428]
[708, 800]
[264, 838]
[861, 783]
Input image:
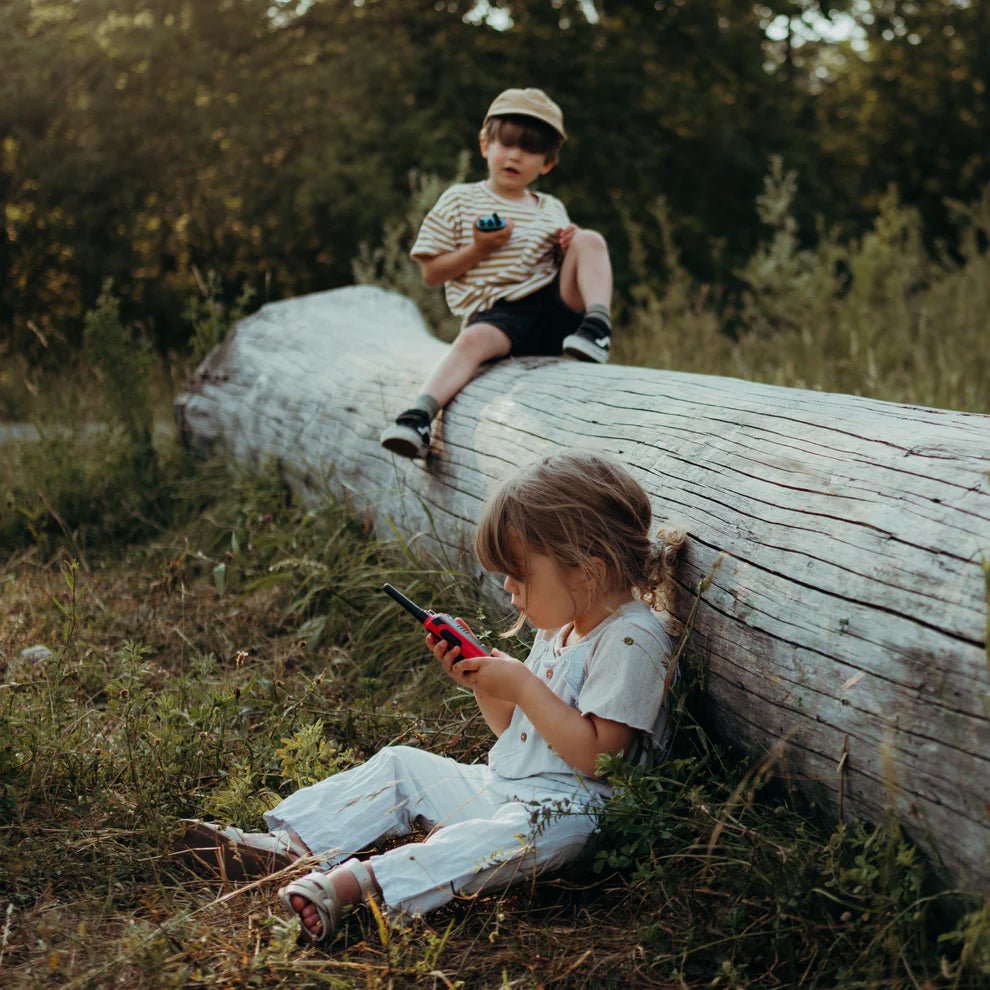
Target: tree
[266, 140]
[913, 111]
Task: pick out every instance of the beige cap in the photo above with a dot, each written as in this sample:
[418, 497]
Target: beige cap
[528, 103]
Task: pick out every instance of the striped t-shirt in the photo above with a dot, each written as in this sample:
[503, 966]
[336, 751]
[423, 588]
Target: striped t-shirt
[527, 262]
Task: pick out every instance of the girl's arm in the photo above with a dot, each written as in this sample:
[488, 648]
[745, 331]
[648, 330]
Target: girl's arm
[497, 713]
[578, 739]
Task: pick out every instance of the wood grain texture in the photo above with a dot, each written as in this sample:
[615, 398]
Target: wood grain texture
[848, 613]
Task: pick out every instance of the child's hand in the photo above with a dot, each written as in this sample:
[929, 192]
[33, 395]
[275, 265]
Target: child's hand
[499, 676]
[502, 674]
[488, 242]
[446, 654]
[565, 235]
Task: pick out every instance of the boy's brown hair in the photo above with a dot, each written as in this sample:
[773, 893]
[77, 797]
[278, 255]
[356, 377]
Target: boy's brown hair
[520, 131]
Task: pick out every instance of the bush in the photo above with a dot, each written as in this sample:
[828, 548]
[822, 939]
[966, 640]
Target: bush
[876, 317]
[389, 264]
[91, 473]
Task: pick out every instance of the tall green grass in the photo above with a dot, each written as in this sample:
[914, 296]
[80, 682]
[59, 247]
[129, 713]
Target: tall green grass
[877, 317]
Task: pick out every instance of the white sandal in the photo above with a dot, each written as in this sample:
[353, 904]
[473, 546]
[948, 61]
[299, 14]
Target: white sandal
[233, 853]
[318, 889]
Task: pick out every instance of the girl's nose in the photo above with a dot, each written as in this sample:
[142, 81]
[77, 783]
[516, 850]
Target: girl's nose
[508, 583]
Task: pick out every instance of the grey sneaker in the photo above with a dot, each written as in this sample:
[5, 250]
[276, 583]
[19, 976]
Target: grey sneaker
[590, 342]
[409, 435]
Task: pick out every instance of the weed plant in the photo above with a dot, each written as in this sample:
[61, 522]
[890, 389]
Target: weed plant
[89, 474]
[388, 263]
[248, 651]
[209, 316]
[97, 466]
[877, 317]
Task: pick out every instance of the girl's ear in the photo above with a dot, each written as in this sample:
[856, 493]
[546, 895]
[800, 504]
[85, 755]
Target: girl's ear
[595, 574]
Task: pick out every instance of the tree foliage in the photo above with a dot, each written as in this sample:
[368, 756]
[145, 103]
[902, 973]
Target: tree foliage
[145, 140]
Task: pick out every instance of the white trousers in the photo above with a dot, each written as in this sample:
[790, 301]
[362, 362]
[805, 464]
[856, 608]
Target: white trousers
[484, 831]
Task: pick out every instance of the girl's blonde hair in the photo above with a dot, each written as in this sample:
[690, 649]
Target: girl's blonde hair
[575, 506]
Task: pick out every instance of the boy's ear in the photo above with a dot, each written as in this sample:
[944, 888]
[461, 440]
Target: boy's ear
[547, 166]
[483, 144]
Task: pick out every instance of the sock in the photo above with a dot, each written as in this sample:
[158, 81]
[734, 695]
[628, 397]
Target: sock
[598, 315]
[427, 404]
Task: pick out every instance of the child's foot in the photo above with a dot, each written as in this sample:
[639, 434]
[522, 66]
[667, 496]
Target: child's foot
[590, 342]
[233, 853]
[409, 435]
[309, 917]
[319, 898]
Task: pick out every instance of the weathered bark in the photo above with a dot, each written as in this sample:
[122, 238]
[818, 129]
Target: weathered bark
[848, 616]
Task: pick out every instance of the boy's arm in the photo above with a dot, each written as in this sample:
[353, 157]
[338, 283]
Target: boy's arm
[445, 267]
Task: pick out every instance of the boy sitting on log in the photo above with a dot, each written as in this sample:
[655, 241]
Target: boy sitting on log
[526, 280]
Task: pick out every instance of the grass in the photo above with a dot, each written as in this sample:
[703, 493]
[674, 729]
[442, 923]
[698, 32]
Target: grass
[211, 646]
[877, 317]
[243, 648]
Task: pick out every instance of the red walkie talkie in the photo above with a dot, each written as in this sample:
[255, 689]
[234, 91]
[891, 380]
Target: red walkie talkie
[443, 626]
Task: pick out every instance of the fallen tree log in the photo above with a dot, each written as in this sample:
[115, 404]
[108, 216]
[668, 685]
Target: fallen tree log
[847, 623]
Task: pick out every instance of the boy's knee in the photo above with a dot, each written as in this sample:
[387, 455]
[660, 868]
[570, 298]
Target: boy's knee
[482, 341]
[585, 240]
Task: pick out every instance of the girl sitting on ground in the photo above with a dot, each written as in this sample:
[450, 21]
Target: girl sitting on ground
[571, 534]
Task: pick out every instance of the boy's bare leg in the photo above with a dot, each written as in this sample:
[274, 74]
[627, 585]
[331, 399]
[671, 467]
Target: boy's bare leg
[475, 344]
[586, 274]
[586, 287]
[348, 890]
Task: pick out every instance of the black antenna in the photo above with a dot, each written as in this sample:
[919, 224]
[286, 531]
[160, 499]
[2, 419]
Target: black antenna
[408, 605]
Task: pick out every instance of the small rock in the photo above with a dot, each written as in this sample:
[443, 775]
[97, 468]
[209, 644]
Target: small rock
[36, 654]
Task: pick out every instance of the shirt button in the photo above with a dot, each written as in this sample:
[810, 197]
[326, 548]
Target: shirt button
[522, 736]
[549, 673]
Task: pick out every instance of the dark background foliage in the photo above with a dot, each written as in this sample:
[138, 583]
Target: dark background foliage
[267, 139]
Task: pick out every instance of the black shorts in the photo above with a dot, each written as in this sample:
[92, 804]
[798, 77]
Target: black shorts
[535, 324]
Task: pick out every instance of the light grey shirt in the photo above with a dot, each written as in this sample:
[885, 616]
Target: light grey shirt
[616, 672]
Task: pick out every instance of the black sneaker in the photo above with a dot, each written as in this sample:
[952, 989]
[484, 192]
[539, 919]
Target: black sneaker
[409, 435]
[590, 342]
